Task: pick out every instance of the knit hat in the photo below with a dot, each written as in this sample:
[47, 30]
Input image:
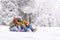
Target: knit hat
[14, 19]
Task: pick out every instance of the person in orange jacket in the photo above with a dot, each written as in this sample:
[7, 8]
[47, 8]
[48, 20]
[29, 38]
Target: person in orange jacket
[25, 25]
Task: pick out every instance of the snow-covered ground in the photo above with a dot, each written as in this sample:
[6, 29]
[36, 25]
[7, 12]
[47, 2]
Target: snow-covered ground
[47, 13]
[43, 33]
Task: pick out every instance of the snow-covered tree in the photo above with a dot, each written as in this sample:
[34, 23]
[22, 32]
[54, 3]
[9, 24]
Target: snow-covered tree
[37, 12]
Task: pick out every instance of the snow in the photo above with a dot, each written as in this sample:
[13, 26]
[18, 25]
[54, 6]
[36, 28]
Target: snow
[44, 13]
[42, 33]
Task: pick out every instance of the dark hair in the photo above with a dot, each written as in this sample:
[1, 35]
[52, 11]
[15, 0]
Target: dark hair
[15, 24]
[18, 20]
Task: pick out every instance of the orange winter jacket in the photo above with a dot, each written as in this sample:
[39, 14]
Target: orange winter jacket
[22, 22]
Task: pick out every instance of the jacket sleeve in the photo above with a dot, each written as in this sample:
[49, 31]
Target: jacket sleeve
[25, 22]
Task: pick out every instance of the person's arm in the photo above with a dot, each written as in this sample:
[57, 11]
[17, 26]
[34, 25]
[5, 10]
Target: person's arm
[11, 24]
[25, 22]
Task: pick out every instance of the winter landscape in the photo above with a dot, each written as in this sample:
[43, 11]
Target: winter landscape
[43, 14]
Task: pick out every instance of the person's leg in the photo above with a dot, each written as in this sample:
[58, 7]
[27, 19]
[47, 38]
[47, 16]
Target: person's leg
[11, 29]
[19, 28]
[24, 28]
[30, 26]
[14, 28]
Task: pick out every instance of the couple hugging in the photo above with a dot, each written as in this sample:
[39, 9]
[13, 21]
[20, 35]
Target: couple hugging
[19, 25]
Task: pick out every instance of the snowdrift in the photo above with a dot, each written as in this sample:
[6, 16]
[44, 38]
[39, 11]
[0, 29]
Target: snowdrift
[42, 33]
